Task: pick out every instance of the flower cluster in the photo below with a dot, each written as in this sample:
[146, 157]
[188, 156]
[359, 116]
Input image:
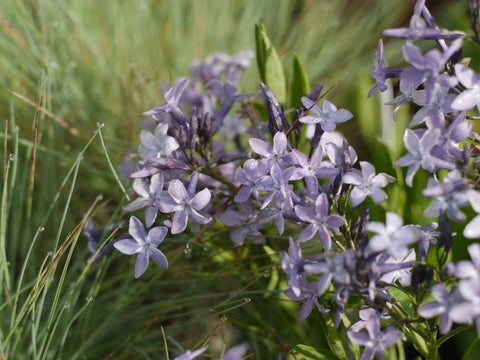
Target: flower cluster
[211, 157]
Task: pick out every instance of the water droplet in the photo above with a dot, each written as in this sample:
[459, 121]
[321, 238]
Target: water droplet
[95, 131]
[188, 252]
[266, 273]
[66, 305]
[247, 299]
[89, 298]
[206, 248]
[100, 197]
[100, 125]
[80, 157]
[50, 253]
[12, 157]
[17, 128]
[41, 228]
[53, 64]
[224, 318]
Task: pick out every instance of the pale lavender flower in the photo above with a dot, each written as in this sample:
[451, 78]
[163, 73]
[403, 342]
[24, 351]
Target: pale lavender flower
[448, 143]
[309, 293]
[143, 244]
[190, 355]
[469, 98]
[428, 68]
[186, 204]
[367, 183]
[235, 353]
[428, 237]
[445, 302]
[467, 310]
[392, 236]
[274, 154]
[419, 29]
[327, 116]
[244, 223]
[439, 105]
[293, 265]
[280, 188]
[376, 341]
[466, 269]
[172, 99]
[253, 176]
[158, 144]
[381, 72]
[151, 196]
[320, 221]
[397, 269]
[420, 148]
[472, 230]
[312, 169]
[449, 196]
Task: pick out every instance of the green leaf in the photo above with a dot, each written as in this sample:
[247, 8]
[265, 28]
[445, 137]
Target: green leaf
[269, 64]
[303, 352]
[299, 86]
[473, 352]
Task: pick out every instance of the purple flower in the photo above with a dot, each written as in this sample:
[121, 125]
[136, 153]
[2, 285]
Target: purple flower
[419, 29]
[470, 269]
[366, 183]
[143, 244]
[381, 72]
[185, 204]
[472, 230]
[190, 355]
[376, 341]
[244, 223]
[253, 176]
[327, 116]
[428, 68]
[320, 221]
[157, 145]
[151, 195]
[274, 154]
[309, 293]
[445, 302]
[172, 99]
[420, 153]
[449, 196]
[392, 236]
[236, 352]
[312, 169]
[471, 96]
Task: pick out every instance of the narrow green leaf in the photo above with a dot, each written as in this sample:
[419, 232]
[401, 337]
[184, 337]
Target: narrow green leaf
[473, 352]
[303, 352]
[299, 86]
[269, 65]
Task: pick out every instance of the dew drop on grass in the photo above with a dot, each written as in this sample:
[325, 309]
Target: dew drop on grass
[100, 197]
[50, 253]
[206, 248]
[66, 305]
[12, 157]
[247, 299]
[95, 131]
[188, 251]
[41, 228]
[89, 298]
[80, 157]
[100, 125]
[53, 64]
[266, 273]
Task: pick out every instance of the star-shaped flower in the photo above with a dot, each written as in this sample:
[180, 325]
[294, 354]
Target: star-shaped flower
[367, 184]
[143, 244]
[327, 116]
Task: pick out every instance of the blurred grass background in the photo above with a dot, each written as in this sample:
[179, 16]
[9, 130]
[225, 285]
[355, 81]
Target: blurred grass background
[89, 62]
